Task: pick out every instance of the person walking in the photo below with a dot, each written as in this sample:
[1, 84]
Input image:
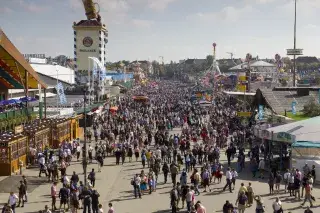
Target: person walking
[12, 201]
[259, 207]
[271, 183]
[92, 177]
[136, 186]
[308, 196]
[277, 206]
[286, 178]
[234, 175]
[250, 195]
[22, 192]
[174, 172]
[95, 201]
[241, 201]
[54, 196]
[278, 180]
[229, 180]
[165, 170]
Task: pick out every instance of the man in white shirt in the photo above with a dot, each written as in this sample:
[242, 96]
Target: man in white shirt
[277, 205]
[189, 198]
[261, 168]
[286, 178]
[228, 179]
[234, 175]
[136, 185]
[13, 198]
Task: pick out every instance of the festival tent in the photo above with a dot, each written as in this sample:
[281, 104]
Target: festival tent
[300, 131]
[261, 64]
[253, 64]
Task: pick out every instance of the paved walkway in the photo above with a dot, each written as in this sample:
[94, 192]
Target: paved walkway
[113, 184]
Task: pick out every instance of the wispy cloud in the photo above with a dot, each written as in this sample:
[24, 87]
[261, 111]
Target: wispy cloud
[32, 7]
[5, 10]
[159, 5]
[262, 1]
[142, 23]
[227, 14]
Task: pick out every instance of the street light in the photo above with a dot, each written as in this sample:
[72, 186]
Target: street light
[294, 42]
[84, 158]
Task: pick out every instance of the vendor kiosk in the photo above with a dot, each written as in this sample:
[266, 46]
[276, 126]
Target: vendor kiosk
[13, 150]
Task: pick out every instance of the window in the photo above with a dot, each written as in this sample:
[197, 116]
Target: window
[4, 158]
[14, 151]
[22, 145]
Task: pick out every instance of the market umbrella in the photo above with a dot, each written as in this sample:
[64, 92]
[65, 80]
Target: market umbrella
[7, 102]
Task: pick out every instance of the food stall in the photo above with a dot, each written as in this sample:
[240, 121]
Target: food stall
[13, 149]
[61, 131]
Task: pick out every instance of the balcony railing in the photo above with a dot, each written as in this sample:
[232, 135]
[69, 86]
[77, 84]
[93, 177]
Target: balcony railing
[9, 119]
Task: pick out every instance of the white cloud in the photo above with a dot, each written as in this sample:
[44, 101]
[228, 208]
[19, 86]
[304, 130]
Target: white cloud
[159, 4]
[227, 14]
[32, 7]
[311, 26]
[142, 23]
[260, 1]
[5, 10]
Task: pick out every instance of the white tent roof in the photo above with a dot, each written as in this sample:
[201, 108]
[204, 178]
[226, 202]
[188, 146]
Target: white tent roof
[261, 64]
[255, 64]
[305, 130]
[64, 74]
[239, 67]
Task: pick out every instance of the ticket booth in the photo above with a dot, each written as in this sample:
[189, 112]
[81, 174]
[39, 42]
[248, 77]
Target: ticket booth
[13, 152]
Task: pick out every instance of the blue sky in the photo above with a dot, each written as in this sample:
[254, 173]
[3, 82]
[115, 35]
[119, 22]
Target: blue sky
[175, 29]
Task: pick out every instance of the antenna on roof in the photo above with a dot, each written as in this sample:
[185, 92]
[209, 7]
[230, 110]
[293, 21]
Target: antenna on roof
[231, 54]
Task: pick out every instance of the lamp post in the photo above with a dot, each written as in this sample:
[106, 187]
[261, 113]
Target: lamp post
[84, 158]
[294, 42]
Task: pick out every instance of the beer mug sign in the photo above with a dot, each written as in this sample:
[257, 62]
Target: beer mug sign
[90, 8]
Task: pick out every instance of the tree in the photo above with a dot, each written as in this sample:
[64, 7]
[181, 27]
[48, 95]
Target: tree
[288, 63]
[311, 109]
[209, 59]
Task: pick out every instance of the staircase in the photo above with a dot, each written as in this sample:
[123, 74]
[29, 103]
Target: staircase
[272, 100]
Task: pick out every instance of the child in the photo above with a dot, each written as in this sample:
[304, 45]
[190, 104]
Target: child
[100, 209]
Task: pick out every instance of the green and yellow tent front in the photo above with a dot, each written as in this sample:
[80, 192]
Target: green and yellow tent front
[14, 67]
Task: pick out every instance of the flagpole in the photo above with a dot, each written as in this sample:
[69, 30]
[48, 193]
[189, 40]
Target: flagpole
[55, 65]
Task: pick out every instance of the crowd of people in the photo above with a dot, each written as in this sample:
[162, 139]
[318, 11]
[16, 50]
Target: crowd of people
[141, 131]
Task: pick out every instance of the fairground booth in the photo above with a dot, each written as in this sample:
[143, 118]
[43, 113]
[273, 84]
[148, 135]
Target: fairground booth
[22, 130]
[15, 73]
[300, 138]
